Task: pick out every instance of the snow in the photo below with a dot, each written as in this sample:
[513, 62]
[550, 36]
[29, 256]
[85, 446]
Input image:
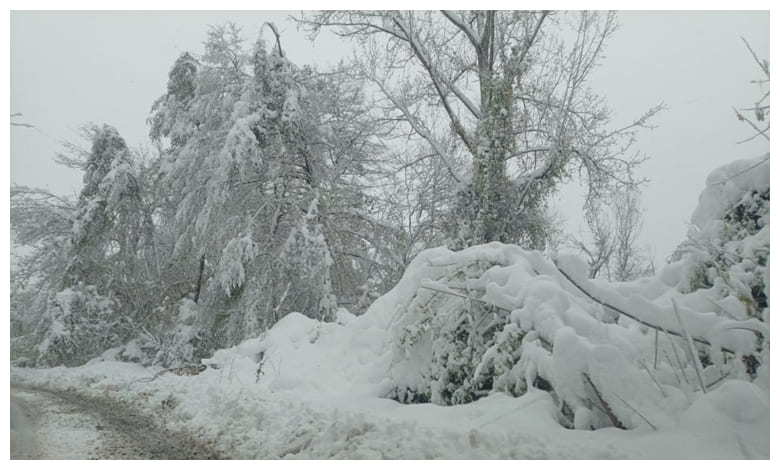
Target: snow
[611, 355]
[230, 272]
[312, 389]
[57, 434]
[287, 415]
[727, 185]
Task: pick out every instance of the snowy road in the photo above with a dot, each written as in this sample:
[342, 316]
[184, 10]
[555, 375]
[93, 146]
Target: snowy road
[59, 425]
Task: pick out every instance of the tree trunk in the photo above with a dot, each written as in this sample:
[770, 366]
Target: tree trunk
[490, 182]
[200, 276]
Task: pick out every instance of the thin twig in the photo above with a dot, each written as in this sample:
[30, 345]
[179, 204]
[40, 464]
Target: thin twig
[748, 139]
[655, 351]
[755, 127]
[763, 160]
[642, 363]
[719, 307]
[691, 349]
[677, 356]
[604, 405]
[717, 381]
[669, 360]
[464, 296]
[637, 412]
[763, 65]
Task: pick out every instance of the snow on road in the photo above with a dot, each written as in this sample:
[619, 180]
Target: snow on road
[48, 427]
[24, 444]
[62, 425]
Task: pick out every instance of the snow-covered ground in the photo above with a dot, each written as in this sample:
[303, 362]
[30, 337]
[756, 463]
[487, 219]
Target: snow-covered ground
[46, 428]
[318, 395]
[62, 425]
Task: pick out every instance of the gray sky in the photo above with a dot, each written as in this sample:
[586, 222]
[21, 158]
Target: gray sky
[696, 63]
[70, 68]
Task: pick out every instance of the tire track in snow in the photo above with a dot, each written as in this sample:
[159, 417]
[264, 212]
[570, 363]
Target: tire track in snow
[49, 424]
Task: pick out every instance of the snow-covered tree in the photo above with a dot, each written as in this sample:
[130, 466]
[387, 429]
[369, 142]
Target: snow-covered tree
[41, 222]
[110, 222]
[265, 201]
[172, 109]
[496, 318]
[85, 276]
[514, 93]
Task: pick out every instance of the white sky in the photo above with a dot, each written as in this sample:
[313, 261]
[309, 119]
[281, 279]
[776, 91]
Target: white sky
[70, 68]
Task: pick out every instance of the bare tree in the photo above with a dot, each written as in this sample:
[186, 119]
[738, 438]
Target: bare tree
[512, 91]
[612, 246]
[601, 247]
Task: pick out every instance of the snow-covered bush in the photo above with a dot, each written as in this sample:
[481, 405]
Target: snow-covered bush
[726, 255]
[489, 318]
[728, 244]
[496, 318]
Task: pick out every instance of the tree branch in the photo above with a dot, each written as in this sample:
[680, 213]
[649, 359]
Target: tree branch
[744, 119]
[433, 74]
[764, 66]
[463, 27]
[418, 128]
[633, 317]
[530, 42]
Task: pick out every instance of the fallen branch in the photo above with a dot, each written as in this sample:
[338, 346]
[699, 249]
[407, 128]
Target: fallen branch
[464, 296]
[634, 317]
[191, 369]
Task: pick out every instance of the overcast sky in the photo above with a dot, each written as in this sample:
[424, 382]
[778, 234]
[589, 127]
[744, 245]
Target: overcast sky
[70, 68]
